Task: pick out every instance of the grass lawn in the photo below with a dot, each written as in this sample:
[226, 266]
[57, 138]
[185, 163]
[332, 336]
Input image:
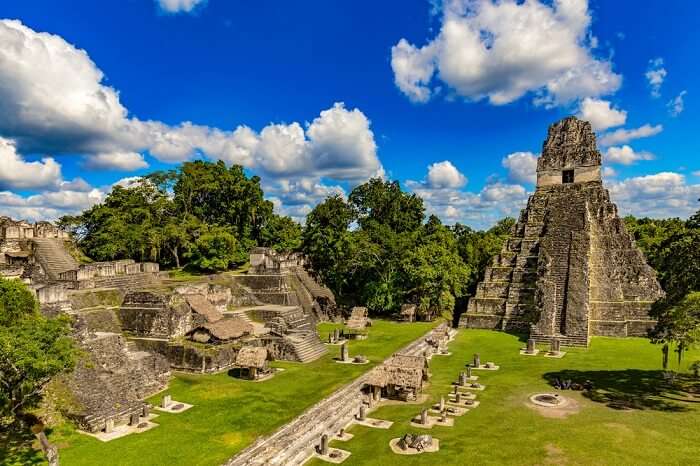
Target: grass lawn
[503, 430]
[229, 414]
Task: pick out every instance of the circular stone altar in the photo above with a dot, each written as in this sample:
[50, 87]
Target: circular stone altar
[549, 400]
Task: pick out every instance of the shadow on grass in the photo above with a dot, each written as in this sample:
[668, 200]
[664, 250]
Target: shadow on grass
[17, 449]
[635, 389]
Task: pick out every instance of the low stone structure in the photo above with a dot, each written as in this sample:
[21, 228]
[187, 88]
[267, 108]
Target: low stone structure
[358, 319]
[400, 377]
[253, 361]
[408, 312]
[570, 269]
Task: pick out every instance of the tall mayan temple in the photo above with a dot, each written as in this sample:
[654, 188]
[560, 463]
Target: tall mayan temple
[570, 269]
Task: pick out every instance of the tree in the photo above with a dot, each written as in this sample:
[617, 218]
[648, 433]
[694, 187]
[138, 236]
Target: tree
[679, 326]
[326, 241]
[281, 234]
[218, 195]
[383, 202]
[435, 270]
[216, 249]
[33, 350]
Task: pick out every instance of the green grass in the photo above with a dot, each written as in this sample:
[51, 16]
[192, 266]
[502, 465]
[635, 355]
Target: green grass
[229, 413]
[659, 429]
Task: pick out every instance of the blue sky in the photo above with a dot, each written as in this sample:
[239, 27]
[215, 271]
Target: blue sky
[457, 116]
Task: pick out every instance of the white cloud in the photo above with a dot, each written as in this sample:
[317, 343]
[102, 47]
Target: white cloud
[697, 173]
[655, 75]
[16, 173]
[126, 161]
[609, 172]
[445, 175]
[481, 210]
[501, 51]
[48, 205]
[622, 135]
[625, 155]
[179, 6]
[522, 167]
[600, 114]
[297, 197]
[676, 105]
[661, 195]
[54, 100]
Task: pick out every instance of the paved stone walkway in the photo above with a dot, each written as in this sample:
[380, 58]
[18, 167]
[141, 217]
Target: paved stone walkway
[293, 444]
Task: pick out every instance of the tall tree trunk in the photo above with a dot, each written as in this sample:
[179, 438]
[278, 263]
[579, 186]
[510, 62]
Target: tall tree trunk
[664, 351]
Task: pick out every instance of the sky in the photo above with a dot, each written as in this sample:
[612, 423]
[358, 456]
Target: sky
[451, 98]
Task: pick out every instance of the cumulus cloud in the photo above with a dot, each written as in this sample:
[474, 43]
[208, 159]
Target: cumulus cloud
[522, 167]
[49, 205]
[621, 136]
[179, 6]
[16, 173]
[54, 101]
[126, 161]
[478, 209]
[297, 197]
[501, 51]
[625, 155]
[661, 195]
[600, 114]
[444, 175]
[655, 75]
[676, 105]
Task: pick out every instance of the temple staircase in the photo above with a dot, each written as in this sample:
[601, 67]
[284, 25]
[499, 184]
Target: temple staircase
[307, 346]
[53, 256]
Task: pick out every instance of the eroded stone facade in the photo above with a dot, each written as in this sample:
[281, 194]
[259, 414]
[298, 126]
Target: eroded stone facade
[570, 269]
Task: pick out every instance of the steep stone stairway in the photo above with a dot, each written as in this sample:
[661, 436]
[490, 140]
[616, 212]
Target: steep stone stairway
[53, 256]
[307, 346]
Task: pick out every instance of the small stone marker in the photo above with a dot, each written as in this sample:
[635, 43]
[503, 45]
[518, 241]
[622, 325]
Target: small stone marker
[330, 337]
[462, 378]
[363, 413]
[109, 426]
[324, 445]
[336, 335]
[442, 403]
[145, 410]
[134, 419]
[477, 360]
[469, 372]
[458, 398]
[530, 346]
[443, 418]
[455, 389]
[424, 417]
[167, 400]
[555, 346]
[344, 356]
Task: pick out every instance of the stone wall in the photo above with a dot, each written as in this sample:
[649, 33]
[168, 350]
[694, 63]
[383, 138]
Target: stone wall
[111, 381]
[156, 314]
[190, 357]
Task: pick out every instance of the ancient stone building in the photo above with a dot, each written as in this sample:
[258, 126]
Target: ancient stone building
[570, 269]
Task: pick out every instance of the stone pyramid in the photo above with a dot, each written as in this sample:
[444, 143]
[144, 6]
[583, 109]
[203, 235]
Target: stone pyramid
[570, 270]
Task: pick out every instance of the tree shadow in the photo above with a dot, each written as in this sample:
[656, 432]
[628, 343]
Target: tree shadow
[634, 388]
[17, 448]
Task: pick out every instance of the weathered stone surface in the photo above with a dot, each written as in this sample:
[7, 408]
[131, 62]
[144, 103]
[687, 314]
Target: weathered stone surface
[570, 269]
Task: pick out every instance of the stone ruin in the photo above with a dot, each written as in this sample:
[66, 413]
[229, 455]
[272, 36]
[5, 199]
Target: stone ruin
[570, 269]
[39, 254]
[200, 326]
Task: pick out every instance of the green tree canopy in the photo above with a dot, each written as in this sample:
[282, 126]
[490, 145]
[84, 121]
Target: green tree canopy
[33, 349]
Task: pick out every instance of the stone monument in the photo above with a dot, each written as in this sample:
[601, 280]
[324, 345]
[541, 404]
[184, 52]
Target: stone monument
[570, 269]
